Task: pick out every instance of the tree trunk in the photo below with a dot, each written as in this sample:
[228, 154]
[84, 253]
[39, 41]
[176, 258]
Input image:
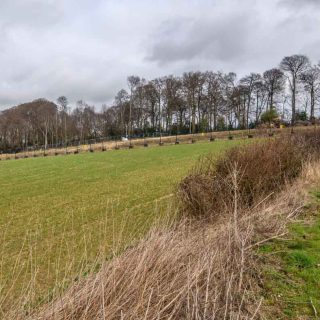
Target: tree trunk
[312, 105]
[293, 101]
[271, 98]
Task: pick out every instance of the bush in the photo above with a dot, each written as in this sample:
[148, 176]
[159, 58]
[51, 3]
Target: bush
[269, 116]
[301, 116]
[248, 173]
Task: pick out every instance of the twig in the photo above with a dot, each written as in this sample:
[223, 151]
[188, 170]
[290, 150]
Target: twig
[263, 200]
[314, 309]
[259, 305]
[266, 240]
[294, 211]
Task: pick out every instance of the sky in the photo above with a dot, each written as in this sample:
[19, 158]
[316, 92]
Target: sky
[85, 49]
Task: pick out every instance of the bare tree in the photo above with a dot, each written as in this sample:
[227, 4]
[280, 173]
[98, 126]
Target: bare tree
[229, 92]
[274, 81]
[151, 96]
[311, 80]
[261, 98]
[294, 66]
[133, 82]
[45, 114]
[121, 101]
[173, 98]
[192, 82]
[63, 103]
[158, 85]
[248, 85]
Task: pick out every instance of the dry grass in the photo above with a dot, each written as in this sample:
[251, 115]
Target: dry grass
[261, 167]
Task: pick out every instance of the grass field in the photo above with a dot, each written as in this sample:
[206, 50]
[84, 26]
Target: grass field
[292, 272]
[57, 214]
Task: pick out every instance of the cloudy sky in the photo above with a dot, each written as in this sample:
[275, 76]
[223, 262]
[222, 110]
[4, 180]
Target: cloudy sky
[85, 49]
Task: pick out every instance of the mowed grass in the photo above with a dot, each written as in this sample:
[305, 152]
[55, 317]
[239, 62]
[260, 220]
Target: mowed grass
[292, 273]
[58, 214]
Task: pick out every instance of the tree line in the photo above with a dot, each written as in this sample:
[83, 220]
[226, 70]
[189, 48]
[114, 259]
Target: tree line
[191, 103]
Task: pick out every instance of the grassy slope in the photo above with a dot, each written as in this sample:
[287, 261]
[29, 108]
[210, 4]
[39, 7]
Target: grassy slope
[57, 213]
[293, 271]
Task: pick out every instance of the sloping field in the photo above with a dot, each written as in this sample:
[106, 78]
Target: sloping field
[57, 214]
[207, 265]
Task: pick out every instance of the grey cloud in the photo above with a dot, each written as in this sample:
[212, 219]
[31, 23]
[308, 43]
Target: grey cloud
[221, 38]
[85, 49]
[297, 4]
[30, 13]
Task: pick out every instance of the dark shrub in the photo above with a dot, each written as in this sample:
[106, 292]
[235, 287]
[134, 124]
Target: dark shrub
[253, 171]
[308, 142]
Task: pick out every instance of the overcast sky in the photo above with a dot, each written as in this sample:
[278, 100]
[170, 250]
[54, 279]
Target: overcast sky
[85, 49]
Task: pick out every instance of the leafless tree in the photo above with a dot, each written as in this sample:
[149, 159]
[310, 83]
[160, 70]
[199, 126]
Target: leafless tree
[311, 80]
[63, 103]
[214, 97]
[158, 85]
[248, 85]
[274, 81]
[121, 101]
[133, 82]
[261, 98]
[294, 66]
[192, 82]
[151, 103]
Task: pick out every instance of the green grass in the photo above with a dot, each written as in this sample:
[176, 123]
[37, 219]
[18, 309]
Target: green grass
[292, 273]
[57, 214]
